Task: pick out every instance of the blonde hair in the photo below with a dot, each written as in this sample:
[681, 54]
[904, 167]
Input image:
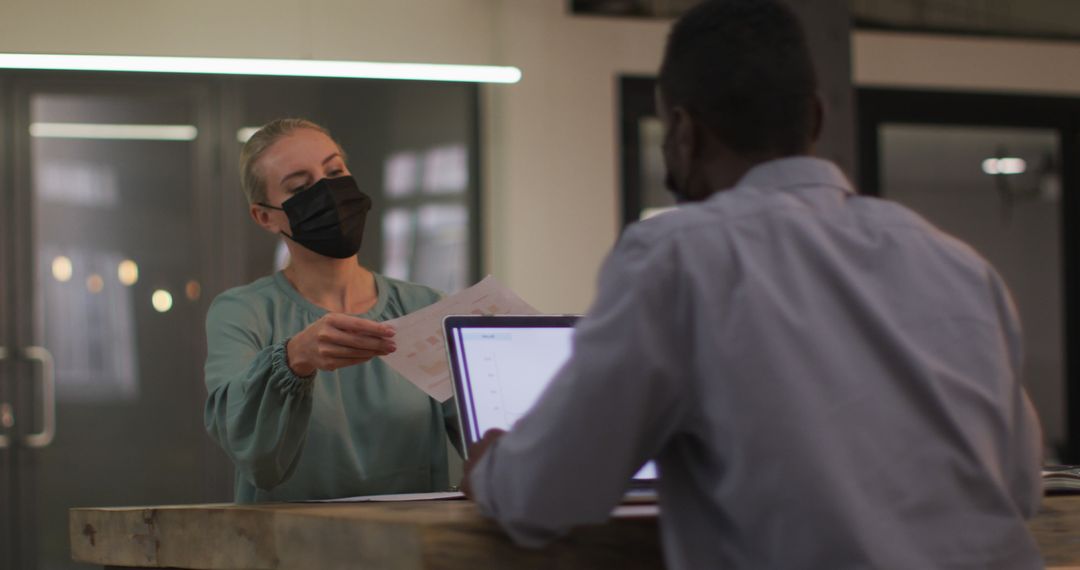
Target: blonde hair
[251, 179]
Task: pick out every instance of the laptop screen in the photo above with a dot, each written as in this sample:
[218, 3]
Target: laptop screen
[501, 365]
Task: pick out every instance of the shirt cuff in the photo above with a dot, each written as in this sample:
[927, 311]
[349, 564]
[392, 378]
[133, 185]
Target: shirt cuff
[523, 531]
[479, 480]
[283, 378]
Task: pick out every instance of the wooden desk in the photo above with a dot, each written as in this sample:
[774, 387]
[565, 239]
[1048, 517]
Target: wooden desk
[426, 535]
[444, 535]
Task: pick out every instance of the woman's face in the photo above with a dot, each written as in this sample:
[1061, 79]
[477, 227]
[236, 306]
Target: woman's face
[292, 165]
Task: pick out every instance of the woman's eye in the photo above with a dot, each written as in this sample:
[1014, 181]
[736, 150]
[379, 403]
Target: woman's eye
[335, 173]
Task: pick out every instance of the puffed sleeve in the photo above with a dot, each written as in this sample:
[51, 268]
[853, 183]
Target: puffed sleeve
[256, 409]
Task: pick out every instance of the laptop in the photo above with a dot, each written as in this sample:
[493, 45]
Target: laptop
[500, 366]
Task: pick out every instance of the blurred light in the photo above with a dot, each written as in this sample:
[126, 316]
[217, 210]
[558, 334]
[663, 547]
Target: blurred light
[242, 135]
[281, 255]
[78, 182]
[162, 300]
[94, 283]
[446, 170]
[114, 131]
[62, 269]
[128, 272]
[193, 290]
[653, 212]
[1006, 165]
[272, 67]
[401, 173]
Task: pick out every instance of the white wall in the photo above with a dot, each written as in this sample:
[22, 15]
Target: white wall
[924, 61]
[443, 31]
[553, 202]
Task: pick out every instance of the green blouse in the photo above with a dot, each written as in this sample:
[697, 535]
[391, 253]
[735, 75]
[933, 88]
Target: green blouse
[360, 430]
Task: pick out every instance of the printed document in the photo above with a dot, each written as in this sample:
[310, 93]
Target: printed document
[421, 353]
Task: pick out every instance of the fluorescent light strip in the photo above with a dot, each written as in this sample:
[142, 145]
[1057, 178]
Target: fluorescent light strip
[1004, 165]
[114, 131]
[276, 67]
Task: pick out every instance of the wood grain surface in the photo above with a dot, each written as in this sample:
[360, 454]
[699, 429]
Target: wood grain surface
[436, 535]
[433, 535]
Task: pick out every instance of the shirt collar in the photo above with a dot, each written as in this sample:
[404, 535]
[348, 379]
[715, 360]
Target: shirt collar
[794, 172]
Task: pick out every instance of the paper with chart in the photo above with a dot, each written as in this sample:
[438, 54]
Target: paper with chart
[421, 353]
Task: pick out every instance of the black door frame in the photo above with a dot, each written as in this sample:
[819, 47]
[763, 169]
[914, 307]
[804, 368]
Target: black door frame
[877, 106]
[637, 100]
[8, 496]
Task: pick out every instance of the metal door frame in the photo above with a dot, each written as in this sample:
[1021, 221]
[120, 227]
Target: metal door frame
[8, 496]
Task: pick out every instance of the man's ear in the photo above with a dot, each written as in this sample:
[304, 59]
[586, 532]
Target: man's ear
[684, 136]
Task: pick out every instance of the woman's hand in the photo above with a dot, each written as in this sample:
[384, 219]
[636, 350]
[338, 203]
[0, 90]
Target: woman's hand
[338, 340]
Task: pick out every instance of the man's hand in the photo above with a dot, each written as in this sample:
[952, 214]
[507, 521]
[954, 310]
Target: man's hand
[336, 341]
[476, 451]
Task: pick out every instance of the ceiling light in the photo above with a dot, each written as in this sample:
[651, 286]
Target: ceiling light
[272, 67]
[1005, 165]
[114, 131]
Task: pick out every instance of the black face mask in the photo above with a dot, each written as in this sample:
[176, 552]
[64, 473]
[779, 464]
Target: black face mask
[329, 217]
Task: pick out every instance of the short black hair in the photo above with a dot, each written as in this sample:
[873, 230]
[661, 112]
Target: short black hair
[742, 69]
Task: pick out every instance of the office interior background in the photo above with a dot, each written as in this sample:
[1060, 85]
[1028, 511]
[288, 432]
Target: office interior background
[112, 248]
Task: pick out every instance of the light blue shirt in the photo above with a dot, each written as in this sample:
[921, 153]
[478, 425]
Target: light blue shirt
[825, 379]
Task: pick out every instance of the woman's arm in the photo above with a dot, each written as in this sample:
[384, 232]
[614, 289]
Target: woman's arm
[257, 408]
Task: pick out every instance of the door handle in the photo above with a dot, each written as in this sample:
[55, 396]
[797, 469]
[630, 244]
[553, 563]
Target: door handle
[5, 411]
[48, 398]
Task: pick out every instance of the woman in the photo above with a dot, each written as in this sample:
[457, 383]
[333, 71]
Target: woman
[297, 398]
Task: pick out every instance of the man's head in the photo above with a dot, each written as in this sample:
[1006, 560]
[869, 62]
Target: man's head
[737, 87]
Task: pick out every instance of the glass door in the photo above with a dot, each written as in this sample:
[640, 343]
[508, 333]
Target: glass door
[120, 220]
[112, 252]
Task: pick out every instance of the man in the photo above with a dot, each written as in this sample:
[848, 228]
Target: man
[825, 380]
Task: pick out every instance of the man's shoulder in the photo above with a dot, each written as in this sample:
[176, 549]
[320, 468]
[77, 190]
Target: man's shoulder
[708, 224]
[894, 217]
